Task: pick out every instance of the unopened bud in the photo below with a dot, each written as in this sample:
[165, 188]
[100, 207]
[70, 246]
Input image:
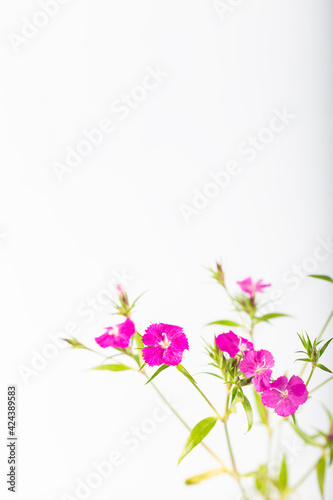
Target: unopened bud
[220, 274]
[122, 294]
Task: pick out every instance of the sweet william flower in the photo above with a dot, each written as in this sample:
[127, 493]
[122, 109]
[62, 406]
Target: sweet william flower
[251, 287]
[258, 364]
[285, 396]
[232, 344]
[164, 344]
[118, 335]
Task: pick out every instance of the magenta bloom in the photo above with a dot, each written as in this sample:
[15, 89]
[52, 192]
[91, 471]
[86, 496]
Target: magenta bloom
[285, 396]
[232, 344]
[251, 287]
[165, 344]
[117, 336]
[258, 364]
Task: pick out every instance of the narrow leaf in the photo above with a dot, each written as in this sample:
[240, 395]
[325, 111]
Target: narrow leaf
[234, 392]
[321, 469]
[139, 345]
[248, 410]
[324, 347]
[139, 297]
[262, 410]
[236, 400]
[75, 343]
[197, 434]
[112, 368]
[283, 476]
[158, 371]
[204, 475]
[267, 317]
[183, 370]
[321, 277]
[224, 322]
[308, 439]
[322, 367]
[261, 480]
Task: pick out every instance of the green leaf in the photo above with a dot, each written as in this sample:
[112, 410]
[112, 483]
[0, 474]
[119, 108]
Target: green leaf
[140, 346]
[321, 277]
[261, 479]
[306, 360]
[267, 317]
[262, 410]
[75, 343]
[205, 475]
[139, 297]
[197, 434]
[283, 476]
[225, 322]
[112, 368]
[234, 392]
[321, 469]
[183, 370]
[308, 439]
[324, 347]
[322, 367]
[236, 400]
[248, 410]
[158, 371]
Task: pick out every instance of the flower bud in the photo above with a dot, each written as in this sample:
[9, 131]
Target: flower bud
[122, 294]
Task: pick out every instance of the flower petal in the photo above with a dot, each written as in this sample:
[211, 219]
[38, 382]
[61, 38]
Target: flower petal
[261, 381]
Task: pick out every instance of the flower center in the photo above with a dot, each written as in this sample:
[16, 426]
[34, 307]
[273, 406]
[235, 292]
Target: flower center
[165, 343]
[261, 368]
[242, 347]
[114, 331]
[284, 393]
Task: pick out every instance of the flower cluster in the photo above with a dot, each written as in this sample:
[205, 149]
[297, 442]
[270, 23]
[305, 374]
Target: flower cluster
[239, 365]
[164, 344]
[282, 395]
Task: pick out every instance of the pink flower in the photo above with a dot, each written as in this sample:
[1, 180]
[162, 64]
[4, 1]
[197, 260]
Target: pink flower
[257, 364]
[285, 396]
[232, 344]
[250, 287]
[165, 344]
[118, 335]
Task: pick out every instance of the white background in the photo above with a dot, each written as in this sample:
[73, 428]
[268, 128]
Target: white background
[119, 211]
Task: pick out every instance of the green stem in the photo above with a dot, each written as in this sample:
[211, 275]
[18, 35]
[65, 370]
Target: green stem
[325, 326]
[320, 385]
[207, 400]
[183, 421]
[232, 457]
[310, 376]
[231, 453]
